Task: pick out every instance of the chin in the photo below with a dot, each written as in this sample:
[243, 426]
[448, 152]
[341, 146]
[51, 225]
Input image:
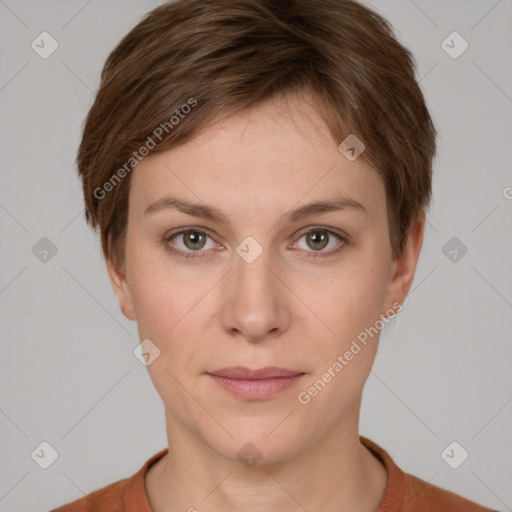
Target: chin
[258, 441]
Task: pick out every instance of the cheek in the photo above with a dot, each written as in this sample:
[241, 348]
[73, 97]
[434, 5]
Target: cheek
[343, 360]
[173, 304]
[165, 301]
[349, 300]
[163, 291]
[165, 311]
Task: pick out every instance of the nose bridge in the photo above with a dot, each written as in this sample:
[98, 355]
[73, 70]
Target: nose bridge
[252, 272]
[254, 304]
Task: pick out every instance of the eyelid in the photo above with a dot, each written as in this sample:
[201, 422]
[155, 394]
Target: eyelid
[189, 229]
[344, 238]
[333, 231]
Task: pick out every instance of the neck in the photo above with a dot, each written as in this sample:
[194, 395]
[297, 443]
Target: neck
[336, 473]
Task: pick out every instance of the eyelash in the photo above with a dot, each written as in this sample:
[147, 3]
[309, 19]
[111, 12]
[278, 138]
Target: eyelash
[311, 254]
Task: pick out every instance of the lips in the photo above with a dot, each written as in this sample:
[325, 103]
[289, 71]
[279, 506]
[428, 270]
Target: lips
[242, 373]
[255, 384]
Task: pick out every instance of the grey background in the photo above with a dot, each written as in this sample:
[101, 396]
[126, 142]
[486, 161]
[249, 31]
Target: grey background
[68, 374]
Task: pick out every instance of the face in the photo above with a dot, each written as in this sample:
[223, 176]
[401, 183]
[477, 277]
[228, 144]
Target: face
[225, 267]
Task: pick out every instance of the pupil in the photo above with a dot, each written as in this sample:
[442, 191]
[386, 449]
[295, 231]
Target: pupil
[194, 238]
[315, 238]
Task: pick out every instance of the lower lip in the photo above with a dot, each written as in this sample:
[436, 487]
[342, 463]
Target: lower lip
[257, 389]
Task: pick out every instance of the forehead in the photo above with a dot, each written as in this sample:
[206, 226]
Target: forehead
[278, 153]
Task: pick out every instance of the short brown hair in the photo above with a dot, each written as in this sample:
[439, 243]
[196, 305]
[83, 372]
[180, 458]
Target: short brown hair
[226, 56]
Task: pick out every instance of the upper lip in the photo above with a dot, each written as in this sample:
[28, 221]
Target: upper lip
[240, 372]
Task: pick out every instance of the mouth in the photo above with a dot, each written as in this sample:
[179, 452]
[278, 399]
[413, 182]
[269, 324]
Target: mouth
[255, 384]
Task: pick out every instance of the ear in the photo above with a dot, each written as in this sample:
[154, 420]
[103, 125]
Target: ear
[121, 289]
[404, 267]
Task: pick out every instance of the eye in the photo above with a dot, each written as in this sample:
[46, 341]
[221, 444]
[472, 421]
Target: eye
[318, 239]
[189, 241]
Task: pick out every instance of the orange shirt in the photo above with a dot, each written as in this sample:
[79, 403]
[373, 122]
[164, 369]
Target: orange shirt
[404, 492]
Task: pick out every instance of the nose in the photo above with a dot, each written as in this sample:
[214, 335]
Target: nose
[254, 299]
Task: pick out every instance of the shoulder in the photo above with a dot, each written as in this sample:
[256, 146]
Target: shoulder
[408, 493]
[128, 494]
[421, 495]
[106, 499]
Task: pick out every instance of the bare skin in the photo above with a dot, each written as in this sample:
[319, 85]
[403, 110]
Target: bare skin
[286, 308]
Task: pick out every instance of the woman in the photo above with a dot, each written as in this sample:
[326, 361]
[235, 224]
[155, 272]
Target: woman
[259, 172]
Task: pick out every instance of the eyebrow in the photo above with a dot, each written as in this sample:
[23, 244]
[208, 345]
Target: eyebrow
[212, 213]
